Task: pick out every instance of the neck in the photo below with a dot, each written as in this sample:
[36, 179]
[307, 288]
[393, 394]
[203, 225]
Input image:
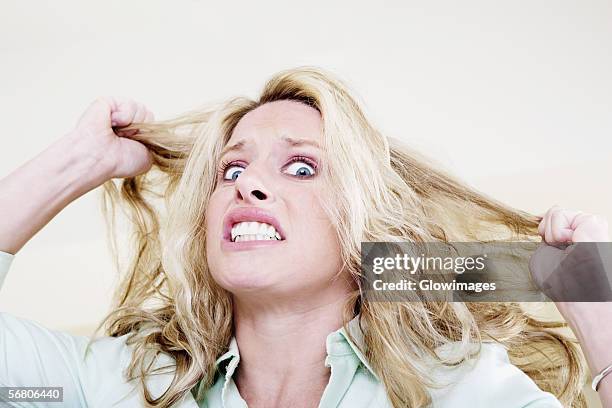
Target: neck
[282, 346]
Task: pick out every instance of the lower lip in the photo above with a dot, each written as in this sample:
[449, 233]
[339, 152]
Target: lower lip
[246, 245]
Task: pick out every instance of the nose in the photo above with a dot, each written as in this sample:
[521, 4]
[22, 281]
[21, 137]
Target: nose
[250, 188]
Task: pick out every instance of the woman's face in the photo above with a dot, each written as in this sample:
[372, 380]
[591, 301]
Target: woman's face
[271, 188]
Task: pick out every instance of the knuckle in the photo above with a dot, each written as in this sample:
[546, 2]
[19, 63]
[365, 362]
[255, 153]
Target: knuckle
[124, 103]
[558, 211]
[103, 100]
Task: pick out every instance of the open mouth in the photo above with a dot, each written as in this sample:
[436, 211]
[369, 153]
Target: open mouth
[254, 231]
[254, 225]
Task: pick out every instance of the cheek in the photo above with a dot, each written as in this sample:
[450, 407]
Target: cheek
[214, 213]
[214, 225]
[324, 242]
[314, 260]
[317, 243]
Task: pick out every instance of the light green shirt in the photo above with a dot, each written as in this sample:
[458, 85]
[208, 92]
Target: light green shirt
[32, 355]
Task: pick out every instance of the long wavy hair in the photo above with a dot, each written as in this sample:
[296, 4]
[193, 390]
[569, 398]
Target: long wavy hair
[167, 301]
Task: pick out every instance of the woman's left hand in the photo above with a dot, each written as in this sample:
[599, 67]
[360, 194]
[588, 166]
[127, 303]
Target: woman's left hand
[577, 273]
[559, 225]
[562, 226]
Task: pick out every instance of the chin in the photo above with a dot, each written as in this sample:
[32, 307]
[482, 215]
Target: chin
[243, 279]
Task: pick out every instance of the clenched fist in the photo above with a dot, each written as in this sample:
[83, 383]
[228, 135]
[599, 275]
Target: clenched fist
[99, 138]
[572, 264]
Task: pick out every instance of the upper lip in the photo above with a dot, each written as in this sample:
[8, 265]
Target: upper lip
[240, 214]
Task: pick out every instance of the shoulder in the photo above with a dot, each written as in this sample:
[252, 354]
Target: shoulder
[25, 334]
[105, 364]
[93, 372]
[489, 379]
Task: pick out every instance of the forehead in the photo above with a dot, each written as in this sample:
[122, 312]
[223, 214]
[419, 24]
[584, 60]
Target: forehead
[290, 118]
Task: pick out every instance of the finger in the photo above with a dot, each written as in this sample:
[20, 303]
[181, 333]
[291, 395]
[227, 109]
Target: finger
[570, 217]
[140, 158]
[141, 113]
[124, 115]
[542, 224]
[112, 101]
[548, 232]
[579, 219]
[561, 226]
[99, 108]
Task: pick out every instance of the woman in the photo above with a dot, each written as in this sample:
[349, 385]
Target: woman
[244, 287]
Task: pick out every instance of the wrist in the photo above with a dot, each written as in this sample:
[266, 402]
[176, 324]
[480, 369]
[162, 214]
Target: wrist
[585, 319]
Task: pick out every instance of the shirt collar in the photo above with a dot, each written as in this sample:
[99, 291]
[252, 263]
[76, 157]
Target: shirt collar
[231, 353]
[337, 344]
[357, 345]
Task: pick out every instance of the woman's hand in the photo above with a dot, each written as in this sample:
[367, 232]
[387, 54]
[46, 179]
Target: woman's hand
[98, 136]
[88, 156]
[577, 273]
[559, 225]
[590, 321]
[574, 273]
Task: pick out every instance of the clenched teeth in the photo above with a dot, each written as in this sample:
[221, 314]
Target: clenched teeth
[254, 231]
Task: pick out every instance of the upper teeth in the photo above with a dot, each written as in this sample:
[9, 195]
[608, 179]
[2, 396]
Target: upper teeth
[252, 230]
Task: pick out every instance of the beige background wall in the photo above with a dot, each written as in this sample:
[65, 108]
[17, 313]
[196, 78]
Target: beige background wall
[515, 97]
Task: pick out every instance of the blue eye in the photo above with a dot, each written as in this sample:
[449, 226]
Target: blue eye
[298, 166]
[233, 172]
[301, 168]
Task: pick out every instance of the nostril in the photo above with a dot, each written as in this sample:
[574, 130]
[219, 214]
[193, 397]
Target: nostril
[258, 194]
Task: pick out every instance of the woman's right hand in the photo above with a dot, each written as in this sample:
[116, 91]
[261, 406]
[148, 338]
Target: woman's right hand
[98, 136]
[95, 151]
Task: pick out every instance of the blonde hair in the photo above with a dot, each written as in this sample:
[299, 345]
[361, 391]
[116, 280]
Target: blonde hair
[382, 191]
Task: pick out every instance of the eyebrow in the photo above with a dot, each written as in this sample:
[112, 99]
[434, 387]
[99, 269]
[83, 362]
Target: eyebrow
[238, 146]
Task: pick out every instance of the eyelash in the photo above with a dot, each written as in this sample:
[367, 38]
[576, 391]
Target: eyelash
[226, 164]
